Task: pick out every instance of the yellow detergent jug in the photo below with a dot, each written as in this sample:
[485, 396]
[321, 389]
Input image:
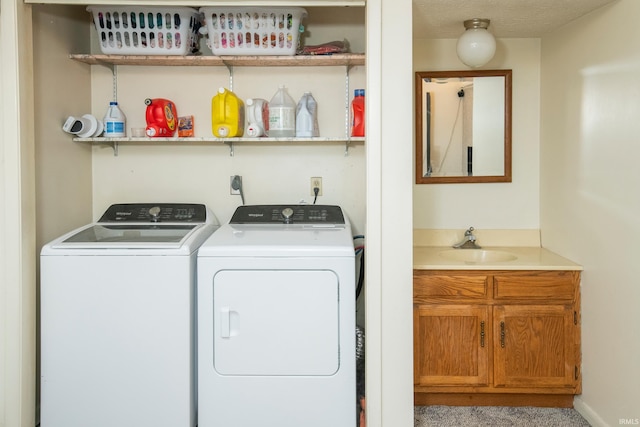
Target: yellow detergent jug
[227, 114]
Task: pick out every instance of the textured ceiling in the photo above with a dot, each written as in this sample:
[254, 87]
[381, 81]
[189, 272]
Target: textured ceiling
[443, 19]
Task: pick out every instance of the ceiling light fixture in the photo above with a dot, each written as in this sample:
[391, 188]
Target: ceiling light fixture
[476, 46]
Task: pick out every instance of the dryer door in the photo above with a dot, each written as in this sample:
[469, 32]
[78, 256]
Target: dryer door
[276, 322]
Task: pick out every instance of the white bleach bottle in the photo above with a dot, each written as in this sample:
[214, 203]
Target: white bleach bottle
[307, 117]
[257, 117]
[282, 115]
[114, 122]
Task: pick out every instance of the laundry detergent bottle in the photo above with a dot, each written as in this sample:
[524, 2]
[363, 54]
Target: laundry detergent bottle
[227, 114]
[357, 113]
[282, 115]
[162, 118]
[257, 111]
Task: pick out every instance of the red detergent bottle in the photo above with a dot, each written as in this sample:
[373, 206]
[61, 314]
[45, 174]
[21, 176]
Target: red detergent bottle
[357, 113]
[162, 117]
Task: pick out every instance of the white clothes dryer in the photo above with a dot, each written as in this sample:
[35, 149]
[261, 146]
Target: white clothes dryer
[118, 318]
[276, 319]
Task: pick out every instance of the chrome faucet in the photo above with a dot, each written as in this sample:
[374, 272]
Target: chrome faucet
[468, 242]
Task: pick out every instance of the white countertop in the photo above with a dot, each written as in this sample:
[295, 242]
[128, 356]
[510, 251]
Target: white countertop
[527, 258]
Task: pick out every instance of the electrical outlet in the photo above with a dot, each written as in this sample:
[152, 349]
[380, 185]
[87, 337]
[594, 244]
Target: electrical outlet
[316, 182]
[235, 183]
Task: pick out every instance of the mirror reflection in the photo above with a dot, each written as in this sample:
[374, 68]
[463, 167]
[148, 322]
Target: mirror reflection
[463, 126]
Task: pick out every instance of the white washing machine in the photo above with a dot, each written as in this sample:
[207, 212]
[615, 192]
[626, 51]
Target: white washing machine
[276, 319]
[118, 341]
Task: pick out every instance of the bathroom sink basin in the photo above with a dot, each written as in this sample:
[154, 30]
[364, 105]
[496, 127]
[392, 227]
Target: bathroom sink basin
[477, 255]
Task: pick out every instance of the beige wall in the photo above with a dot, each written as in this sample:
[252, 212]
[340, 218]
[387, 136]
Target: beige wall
[512, 205]
[590, 201]
[63, 168]
[271, 173]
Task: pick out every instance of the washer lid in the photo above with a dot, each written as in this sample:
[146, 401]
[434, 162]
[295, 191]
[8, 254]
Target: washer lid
[147, 234]
[131, 239]
[152, 226]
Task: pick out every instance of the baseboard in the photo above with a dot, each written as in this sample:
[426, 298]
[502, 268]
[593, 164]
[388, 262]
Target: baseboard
[493, 399]
[588, 413]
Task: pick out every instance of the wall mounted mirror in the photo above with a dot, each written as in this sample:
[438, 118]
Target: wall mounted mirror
[463, 126]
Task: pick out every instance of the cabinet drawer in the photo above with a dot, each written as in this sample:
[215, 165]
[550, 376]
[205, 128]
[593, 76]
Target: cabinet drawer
[433, 285]
[557, 285]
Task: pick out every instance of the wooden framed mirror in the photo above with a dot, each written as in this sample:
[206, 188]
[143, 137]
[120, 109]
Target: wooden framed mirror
[463, 126]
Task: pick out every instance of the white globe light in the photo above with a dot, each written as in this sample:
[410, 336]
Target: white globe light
[476, 46]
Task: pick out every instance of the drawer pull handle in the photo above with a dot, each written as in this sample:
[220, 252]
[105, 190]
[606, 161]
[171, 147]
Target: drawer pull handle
[482, 334]
[502, 334]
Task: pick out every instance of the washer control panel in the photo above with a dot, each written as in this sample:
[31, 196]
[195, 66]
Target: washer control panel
[155, 212]
[288, 214]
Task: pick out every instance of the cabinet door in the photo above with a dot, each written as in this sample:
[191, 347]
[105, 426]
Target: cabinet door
[450, 344]
[534, 346]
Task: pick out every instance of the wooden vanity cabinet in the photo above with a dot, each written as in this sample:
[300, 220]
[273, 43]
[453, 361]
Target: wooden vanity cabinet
[496, 337]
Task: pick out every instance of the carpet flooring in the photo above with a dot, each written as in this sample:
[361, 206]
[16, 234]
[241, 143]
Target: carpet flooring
[496, 416]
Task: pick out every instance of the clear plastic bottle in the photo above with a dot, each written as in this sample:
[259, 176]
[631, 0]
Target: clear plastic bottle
[307, 117]
[115, 122]
[282, 115]
[357, 113]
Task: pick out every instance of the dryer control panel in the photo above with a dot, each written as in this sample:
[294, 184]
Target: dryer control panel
[155, 212]
[288, 214]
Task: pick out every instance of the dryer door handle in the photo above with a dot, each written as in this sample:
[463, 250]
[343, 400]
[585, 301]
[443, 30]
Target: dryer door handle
[229, 322]
[225, 322]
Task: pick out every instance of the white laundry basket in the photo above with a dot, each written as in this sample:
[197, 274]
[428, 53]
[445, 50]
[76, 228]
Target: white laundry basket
[253, 30]
[137, 30]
